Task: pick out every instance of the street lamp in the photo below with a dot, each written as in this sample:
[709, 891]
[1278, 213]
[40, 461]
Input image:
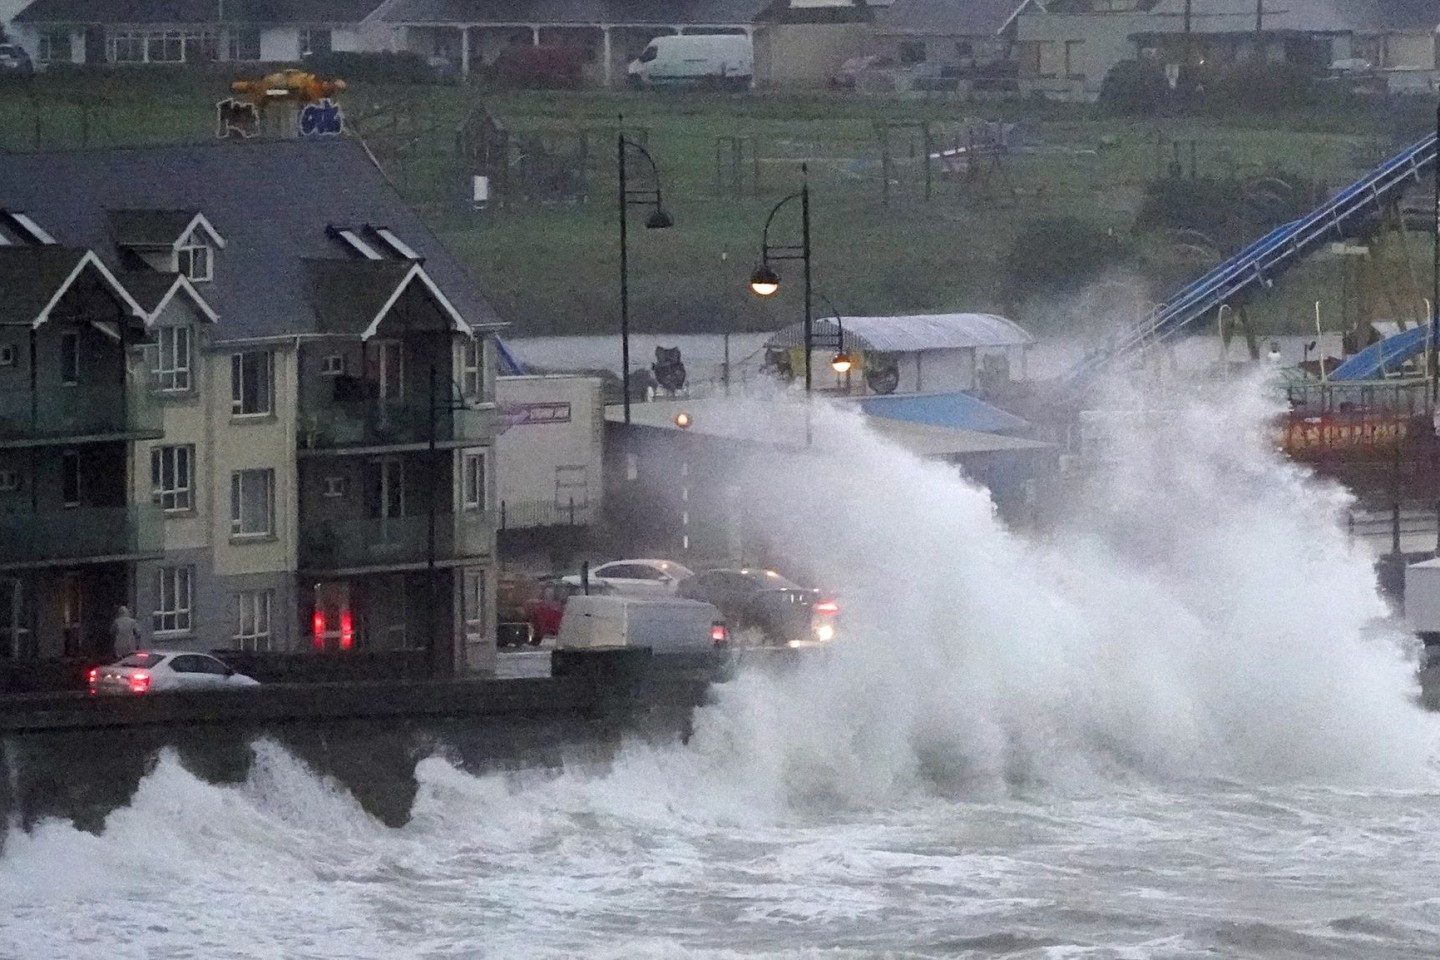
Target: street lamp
[658, 220]
[765, 281]
[842, 361]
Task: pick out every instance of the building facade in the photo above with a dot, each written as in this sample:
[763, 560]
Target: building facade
[294, 387]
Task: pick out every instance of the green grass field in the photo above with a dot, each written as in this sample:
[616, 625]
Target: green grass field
[553, 268]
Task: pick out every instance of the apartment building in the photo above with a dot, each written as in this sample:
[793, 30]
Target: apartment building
[270, 386]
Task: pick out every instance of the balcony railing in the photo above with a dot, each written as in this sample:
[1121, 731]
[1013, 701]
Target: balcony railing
[82, 410]
[328, 424]
[530, 514]
[395, 541]
[80, 533]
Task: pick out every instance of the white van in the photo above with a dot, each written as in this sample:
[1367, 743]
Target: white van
[664, 624]
[712, 59]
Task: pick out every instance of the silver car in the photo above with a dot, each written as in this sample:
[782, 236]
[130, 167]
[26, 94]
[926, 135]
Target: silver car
[154, 671]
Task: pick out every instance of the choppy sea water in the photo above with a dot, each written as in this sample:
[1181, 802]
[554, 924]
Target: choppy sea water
[1178, 723]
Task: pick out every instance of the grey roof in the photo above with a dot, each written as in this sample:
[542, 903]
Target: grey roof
[148, 287]
[30, 276]
[271, 201]
[197, 11]
[149, 228]
[931, 331]
[639, 12]
[1313, 16]
[949, 18]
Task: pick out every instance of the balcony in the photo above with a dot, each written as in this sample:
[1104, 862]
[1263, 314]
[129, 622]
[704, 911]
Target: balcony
[85, 411]
[80, 534]
[337, 424]
[395, 541]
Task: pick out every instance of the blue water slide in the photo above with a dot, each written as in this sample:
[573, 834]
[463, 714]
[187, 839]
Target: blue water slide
[1379, 358]
[1266, 258]
[510, 365]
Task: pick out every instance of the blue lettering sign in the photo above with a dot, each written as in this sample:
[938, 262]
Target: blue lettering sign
[322, 119]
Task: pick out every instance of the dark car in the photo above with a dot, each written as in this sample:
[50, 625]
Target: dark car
[754, 599]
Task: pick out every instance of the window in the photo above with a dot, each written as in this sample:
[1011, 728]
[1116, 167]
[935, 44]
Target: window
[171, 478]
[9, 481]
[333, 365]
[476, 611]
[126, 47]
[1074, 56]
[69, 359]
[389, 370]
[172, 360]
[963, 49]
[173, 599]
[471, 352]
[572, 487]
[912, 51]
[15, 633]
[475, 481]
[314, 42]
[243, 45]
[194, 262]
[252, 503]
[53, 46]
[167, 47]
[250, 383]
[252, 619]
[334, 487]
[7, 355]
[70, 478]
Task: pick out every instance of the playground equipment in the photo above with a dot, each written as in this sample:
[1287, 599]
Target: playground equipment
[1257, 266]
[285, 103]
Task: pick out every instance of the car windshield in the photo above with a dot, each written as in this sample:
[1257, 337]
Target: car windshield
[770, 580]
[145, 660]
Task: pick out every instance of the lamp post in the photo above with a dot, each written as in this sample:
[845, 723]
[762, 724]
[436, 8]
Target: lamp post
[658, 220]
[842, 361]
[765, 281]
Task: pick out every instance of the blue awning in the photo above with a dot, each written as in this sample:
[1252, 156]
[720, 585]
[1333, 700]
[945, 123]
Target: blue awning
[956, 410]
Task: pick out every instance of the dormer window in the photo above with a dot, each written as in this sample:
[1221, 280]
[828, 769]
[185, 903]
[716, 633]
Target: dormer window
[194, 262]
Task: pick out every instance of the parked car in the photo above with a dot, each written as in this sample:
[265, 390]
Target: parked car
[14, 61]
[704, 59]
[847, 75]
[637, 577]
[756, 599]
[545, 610]
[666, 625]
[154, 671]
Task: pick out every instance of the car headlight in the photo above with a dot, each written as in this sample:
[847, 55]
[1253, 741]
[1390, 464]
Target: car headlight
[825, 633]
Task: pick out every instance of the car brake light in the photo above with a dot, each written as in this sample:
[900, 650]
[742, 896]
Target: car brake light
[317, 627]
[347, 630]
[827, 607]
[139, 681]
[94, 675]
[719, 635]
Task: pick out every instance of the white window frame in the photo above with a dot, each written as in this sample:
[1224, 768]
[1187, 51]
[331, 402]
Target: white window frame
[307, 40]
[332, 365]
[237, 383]
[473, 497]
[174, 600]
[254, 620]
[188, 256]
[45, 46]
[241, 526]
[171, 372]
[237, 49]
[472, 365]
[476, 600]
[179, 495]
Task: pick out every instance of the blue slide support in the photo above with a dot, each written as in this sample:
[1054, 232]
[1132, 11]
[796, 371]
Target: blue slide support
[1266, 258]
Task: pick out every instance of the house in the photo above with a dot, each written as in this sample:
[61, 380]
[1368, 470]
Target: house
[796, 41]
[245, 391]
[923, 353]
[197, 31]
[956, 33]
[1386, 34]
[1066, 47]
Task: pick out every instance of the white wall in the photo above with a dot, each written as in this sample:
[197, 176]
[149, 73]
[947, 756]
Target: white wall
[280, 44]
[529, 455]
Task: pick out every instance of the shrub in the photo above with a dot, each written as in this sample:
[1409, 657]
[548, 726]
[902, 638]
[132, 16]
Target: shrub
[1056, 254]
[379, 67]
[1134, 87]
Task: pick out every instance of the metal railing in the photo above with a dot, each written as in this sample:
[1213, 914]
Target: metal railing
[328, 424]
[524, 515]
[80, 533]
[395, 541]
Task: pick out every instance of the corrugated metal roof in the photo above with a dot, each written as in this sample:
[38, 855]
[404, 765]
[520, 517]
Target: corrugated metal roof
[950, 410]
[949, 18]
[907, 334]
